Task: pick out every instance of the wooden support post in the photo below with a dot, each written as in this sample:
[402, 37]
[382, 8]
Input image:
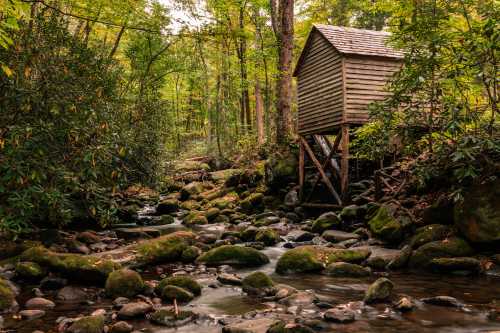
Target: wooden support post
[301, 169]
[325, 167]
[344, 163]
[327, 181]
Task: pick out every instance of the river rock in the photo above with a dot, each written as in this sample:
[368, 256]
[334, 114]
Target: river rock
[300, 236]
[385, 226]
[281, 170]
[443, 301]
[231, 279]
[167, 317]
[451, 247]
[191, 189]
[379, 291]
[164, 249]
[299, 298]
[460, 265]
[381, 257]
[121, 327]
[31, 314]
[340, 314]
[233, 255]
[291, 199]
[477, 216]
[405, 304]
[430, 233]
[344, 269]
[266, 220]
[283, 327]
[259, 325]
[253, 203]
[171, 293]
[39, 303]
[258, 284]
[29, 270]
[182, 281]
[401, 259]
[324, 222]
[135, 309]
[71, 294]
[336, 236]
[91, 324]
[267, 236]
[88, 237]
[167, 206]
[124, 282]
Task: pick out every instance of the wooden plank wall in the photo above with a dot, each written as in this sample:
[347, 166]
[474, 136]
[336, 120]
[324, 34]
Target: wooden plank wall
[320, 96]
[366, 78]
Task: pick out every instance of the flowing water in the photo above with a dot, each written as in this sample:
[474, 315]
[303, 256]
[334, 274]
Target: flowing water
[479, 294]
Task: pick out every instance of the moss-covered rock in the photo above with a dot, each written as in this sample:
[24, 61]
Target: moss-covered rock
[191, 189]
[30, 270]
[124, 283]
[385, 226]
[281, 169]
[477, 216]
[325, 221]
[195, 218]
[460, 265]
[233, 255]
[190, 254]
[167, 206]
[452, 247]
[429, 233]
[169, 318]
[168, 248]
[258, 283]
[283, 327]
[190, 205]
[248, 235]
[267, 236]
[379, 291]
[171, 293]
[303, 259]
[180, 281]
[252, 203]
[344, 269]
[212, 213]
[165, 219]
[351, 255]
[90, 324]
[7, 295]
[83, 268]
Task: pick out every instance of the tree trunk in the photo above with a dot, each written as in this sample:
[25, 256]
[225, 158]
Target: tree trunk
[283, 27]
[259, 113]
[245, 96]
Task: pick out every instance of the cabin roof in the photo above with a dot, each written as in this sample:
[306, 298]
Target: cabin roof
[352, 41]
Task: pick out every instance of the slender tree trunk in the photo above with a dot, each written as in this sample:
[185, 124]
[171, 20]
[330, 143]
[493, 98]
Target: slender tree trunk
[117, 42]
[245, 96]
[259, 112]
[282, 21]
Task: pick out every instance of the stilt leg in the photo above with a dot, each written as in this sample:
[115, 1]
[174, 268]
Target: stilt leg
[344, 163]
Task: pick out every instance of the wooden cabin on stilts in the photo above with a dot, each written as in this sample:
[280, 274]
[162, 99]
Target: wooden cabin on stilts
[339, 73]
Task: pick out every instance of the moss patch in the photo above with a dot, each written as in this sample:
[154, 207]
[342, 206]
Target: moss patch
[255, 282]
[233, 255]
[252, 203]
[29, 270]
[325, 221]
[180, 281]
[125, 283]
[171, 293]
[452, 247]
[384, 226]
[79, 267]
[267, 236]
[7, 296]
[168, 248]
[91, 324]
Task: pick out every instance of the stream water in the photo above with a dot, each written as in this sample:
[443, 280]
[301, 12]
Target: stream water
[479, 294]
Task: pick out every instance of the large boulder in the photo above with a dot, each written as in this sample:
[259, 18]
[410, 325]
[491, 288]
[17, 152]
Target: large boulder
[447, 248]
[281, 170]
[165, 249]
[259, 284]
[477, 216]
[191, 189]
[125, 283]
[182, 281]
[233, 255]
[167, 206]
[379, 291]
[83, 268]
[385, 226]
[430, 233]
[325, 221]
[252, 203]
[91, 324]
[267, 236]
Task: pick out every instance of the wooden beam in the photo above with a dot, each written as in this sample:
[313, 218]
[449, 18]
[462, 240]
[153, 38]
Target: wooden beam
[325, 166]
[344, 162]
[320, 170]
[323, 143]
[301, 170]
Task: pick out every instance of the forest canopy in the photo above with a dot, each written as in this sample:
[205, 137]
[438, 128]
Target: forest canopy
[96, 96]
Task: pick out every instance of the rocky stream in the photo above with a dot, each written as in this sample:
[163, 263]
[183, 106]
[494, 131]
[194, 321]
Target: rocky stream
[220, 254]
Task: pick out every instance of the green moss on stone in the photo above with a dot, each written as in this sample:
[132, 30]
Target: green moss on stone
[452, 247]
[384, 226]
[180, 281]
[190, 254]
[233, 255]
[430, 233]
[252, 203]
[352, 256]
[7, 296]
[256, 281]
[267, 236]
[124, 283]
[29, 270]
[326, 221]
[171, 292]
[303, 259]
[168, 248]
[195, 218]
[91, 324]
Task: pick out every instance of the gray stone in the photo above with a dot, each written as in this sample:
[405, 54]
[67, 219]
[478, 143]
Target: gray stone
[135, 309]
[443, 301]
[336, 236]
[121, 327]
[300, 236]
[231, 279]
[340, 314]
[31, 314]
[72, 294]
[39, 303]
[379, 290]
[260, 325]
